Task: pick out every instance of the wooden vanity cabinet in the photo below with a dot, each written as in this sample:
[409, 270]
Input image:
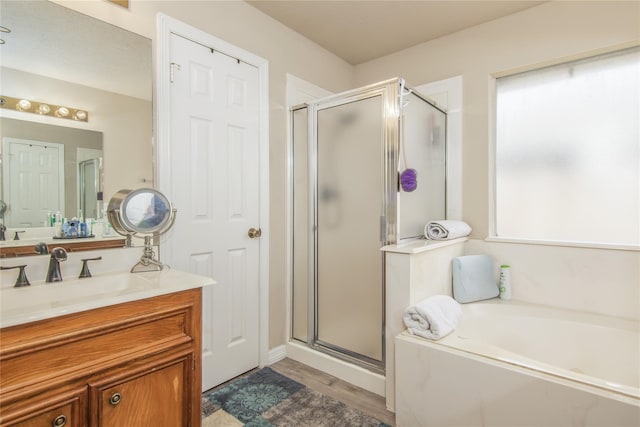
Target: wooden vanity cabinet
[131, 364]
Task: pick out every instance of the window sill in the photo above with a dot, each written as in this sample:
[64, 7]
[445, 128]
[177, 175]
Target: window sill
[589, 245]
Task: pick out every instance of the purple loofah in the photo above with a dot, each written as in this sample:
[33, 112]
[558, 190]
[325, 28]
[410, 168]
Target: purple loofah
[409, 180]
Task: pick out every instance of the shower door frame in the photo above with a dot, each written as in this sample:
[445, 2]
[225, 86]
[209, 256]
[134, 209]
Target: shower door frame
[392, 92]
[388, 91]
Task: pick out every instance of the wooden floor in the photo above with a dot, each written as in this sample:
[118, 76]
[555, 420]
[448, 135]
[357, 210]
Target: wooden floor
[367, 402]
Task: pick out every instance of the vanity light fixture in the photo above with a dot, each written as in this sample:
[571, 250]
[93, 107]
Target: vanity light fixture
[43, 108]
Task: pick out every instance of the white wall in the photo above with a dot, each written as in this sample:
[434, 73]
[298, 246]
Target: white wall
[599, 280]
[539, 35]
[287, 52]
[585, 279]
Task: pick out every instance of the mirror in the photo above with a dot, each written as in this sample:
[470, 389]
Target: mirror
[143, 213]
[59, 56]
[49, 164]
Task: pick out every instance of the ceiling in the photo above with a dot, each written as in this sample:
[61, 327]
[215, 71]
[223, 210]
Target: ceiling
[93, 53]
[361, 30]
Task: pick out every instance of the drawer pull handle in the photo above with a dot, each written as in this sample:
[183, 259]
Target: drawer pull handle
[115, 398]
[59, 421]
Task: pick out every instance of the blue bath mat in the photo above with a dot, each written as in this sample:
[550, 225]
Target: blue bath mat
[269, 399]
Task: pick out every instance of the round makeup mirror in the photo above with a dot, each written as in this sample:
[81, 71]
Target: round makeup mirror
[144, 213]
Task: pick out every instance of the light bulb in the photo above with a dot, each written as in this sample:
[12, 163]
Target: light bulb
[81, 115]
[62, 112]
[43, 109]
[23, 105]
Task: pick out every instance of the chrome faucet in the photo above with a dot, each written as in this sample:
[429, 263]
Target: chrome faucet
[53, 273]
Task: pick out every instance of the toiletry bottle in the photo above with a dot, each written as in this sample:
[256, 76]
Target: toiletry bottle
[89, 226]
[505, 282]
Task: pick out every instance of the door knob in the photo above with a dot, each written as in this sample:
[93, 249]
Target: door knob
[253, 233]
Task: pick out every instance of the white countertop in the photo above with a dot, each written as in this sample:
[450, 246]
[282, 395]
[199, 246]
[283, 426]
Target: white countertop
[47, 300]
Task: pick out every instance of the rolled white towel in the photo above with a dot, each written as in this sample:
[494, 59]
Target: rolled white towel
[446, 229]
[433, 318]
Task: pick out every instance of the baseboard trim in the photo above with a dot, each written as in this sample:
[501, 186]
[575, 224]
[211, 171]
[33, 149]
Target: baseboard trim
[348, 372]
[276, 354]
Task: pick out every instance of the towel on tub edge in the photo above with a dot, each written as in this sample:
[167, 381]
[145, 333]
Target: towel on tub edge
[446, 229]
[433, 318]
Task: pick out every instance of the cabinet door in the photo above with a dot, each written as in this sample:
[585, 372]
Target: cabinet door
[154, 398]
[67, 411]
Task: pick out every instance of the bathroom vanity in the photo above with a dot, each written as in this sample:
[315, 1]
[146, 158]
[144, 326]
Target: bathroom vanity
[118, 350]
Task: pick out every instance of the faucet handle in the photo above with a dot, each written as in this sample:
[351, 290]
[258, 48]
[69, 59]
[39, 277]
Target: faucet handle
[42, 248]
[16, 237]
[22, 276]
[59, 254]
[85, 267]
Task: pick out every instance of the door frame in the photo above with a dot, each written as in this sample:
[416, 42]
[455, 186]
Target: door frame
[161, 144]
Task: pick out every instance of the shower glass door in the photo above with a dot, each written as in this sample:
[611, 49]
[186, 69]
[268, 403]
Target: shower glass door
[350, 204]
[89, 187]
[346, 204]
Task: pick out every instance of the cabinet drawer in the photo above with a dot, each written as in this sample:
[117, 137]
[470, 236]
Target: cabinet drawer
[71, 356]
[57, 410]
[155, 395]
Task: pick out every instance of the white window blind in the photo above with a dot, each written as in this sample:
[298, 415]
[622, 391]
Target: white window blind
[568, 152]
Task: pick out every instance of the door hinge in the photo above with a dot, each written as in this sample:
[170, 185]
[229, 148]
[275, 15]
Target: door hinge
[172, 67]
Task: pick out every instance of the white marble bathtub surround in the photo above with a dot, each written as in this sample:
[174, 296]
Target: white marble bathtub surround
[603, 281]
[440, 386]
[413, 271]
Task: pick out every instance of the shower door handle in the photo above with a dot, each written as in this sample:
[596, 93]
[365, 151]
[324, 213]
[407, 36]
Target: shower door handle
[253, 233]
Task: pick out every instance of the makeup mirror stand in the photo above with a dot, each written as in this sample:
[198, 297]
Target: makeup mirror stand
[142, 213]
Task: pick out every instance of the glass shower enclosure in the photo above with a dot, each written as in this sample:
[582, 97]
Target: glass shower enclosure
[346, 156]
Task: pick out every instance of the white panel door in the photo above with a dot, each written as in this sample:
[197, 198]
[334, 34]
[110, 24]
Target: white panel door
[214, 185]
[35, 175]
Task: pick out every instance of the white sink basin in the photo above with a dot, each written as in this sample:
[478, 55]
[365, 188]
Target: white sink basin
[46, 300]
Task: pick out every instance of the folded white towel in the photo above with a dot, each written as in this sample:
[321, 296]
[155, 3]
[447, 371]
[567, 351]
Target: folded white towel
[446, 229]
[433, 318]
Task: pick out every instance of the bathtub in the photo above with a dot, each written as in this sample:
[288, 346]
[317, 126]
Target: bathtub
[515, 364]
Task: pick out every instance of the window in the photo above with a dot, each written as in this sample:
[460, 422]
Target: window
[568, 152]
